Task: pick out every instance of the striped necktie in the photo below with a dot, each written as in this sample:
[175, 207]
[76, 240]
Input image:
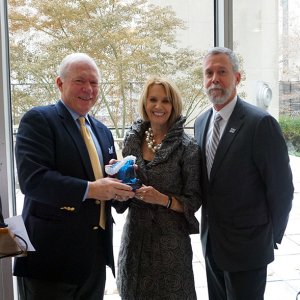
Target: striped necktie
[213, 143]
[96, 165]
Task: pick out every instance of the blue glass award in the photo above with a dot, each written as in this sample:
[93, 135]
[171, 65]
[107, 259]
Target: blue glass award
[125, 171]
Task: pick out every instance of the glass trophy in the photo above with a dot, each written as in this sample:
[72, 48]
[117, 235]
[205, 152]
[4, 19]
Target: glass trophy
[125, 171]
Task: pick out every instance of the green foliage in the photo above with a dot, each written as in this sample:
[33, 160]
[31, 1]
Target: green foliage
[291, 130]
[130, 41]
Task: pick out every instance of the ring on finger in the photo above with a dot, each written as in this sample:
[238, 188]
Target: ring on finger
[116, 197]
[141, 197]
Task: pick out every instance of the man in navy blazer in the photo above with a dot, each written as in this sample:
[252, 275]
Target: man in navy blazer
[61, 207]
[248, 193]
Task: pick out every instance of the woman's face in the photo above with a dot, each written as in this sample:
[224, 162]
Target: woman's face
[158, 106]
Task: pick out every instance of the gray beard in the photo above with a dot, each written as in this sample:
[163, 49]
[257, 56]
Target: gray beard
[219, 99]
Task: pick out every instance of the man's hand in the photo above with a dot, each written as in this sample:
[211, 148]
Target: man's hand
[109, 188]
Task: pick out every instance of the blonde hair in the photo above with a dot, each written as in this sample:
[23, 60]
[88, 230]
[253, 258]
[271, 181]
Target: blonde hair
[172, 93]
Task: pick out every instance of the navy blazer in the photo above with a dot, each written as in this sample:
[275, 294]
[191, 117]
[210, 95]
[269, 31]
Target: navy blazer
[249, 195]
[54, 169]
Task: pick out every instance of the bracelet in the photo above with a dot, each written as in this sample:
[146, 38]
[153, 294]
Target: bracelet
[170, 199]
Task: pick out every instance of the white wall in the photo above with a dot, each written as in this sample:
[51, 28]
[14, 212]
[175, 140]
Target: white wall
[255, 36]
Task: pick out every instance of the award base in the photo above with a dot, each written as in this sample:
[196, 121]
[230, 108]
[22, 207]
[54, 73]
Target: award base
[135, 185]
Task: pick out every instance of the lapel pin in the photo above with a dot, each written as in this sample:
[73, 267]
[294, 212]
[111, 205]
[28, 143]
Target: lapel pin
[110, 150]
[232, 130]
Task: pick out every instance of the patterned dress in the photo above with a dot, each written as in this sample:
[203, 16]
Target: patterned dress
[155, 259]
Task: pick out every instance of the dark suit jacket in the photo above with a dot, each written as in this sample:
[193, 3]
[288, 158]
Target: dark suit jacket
[54, 169]
[249, 195]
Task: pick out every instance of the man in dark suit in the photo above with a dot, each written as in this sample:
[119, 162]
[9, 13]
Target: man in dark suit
[62, 196]
[248, 190]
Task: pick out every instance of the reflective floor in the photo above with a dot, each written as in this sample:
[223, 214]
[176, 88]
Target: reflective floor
[283, 280]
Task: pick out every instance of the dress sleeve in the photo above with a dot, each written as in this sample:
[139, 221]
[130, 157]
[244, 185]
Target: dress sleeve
[191, 198]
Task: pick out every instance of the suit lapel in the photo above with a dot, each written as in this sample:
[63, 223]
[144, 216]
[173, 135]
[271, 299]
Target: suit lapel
[71, 127]
[232, 129]
[101, 136]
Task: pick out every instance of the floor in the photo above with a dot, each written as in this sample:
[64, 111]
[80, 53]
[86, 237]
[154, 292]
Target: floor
[283, 281]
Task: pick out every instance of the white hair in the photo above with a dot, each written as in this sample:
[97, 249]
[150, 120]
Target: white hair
[74, 58]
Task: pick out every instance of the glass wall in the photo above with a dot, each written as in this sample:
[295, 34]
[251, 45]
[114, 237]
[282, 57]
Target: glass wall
[130, 41]
[155, 37]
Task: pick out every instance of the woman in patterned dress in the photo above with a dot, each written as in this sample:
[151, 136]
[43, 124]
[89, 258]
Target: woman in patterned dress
[155, 259]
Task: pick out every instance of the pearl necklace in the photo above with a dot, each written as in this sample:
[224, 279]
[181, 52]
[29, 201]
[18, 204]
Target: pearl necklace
[150, 140]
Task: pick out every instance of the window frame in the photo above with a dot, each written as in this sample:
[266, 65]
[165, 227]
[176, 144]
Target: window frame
[7, 183]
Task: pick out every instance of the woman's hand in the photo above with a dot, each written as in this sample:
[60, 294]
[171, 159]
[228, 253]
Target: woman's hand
[149, 194]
